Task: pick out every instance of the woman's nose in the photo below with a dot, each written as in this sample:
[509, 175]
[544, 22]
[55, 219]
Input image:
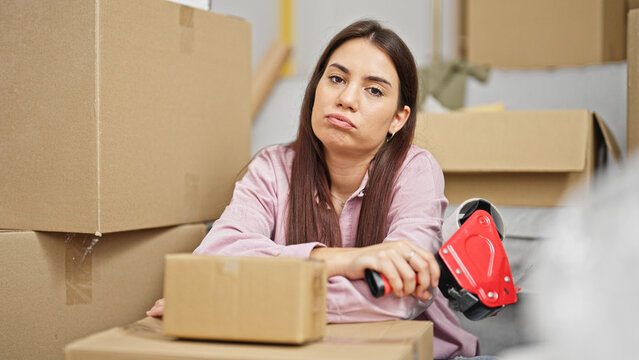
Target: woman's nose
[348, 97]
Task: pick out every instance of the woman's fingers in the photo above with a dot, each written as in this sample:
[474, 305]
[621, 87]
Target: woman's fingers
[424, 270]
[428, 274]
[425, 273]
[388, 268]
[431, 273]
[406, 273]
[421, 267]
[423, 292]
[408, 268]
[157, 310]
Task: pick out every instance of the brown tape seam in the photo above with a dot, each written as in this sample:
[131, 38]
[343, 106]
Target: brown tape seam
[187, 36]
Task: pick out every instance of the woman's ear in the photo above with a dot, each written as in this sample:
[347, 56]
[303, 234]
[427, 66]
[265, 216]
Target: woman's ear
[400, 118]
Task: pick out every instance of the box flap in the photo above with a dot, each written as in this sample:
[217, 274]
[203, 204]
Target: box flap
[11, 231]
[511, 141]
[609, 138]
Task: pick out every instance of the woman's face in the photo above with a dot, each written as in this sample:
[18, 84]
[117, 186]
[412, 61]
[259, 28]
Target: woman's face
[356, 100]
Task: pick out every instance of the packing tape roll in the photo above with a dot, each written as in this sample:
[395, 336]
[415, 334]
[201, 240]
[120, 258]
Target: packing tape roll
[463, 212]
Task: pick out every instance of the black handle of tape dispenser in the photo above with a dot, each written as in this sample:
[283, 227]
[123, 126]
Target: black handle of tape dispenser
[376, 283]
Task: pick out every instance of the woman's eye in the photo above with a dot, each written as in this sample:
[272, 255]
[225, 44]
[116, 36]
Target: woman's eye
[375, 91]
[336, 79]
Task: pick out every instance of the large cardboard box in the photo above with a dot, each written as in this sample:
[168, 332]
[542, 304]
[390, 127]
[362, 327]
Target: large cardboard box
[59, 287]
[258, 299]
[143, 340]
[542, 33]
[633, 82]
[520, 158]
[120, 115]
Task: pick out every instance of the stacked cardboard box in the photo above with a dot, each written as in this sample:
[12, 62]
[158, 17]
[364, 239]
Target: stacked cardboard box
[633, 81]
[519, 158]
[258, 299]
[542, 33]
[123, 128]
[58, 287]
[121, 115]
[253, 308]
[388, 340]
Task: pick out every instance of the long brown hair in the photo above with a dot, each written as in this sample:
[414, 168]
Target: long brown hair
[311, 215]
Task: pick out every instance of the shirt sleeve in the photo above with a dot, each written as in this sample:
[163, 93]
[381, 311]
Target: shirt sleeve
[247, 225]
[416, 211]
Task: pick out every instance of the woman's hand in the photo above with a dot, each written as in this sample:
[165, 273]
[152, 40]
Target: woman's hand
[409, 269]
[157, 310]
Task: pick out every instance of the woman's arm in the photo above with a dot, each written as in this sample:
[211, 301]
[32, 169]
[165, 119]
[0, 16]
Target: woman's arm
[409, 269]
[255, 220]
[414, 224]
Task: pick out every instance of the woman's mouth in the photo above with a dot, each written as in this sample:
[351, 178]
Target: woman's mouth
[340, 121]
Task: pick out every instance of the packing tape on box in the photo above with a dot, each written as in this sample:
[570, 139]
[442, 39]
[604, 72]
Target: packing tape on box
[463, 211]
[152, 330]
[79, 267]
[187, 35]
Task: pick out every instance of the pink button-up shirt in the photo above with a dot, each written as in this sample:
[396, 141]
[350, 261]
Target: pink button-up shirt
[254, 223]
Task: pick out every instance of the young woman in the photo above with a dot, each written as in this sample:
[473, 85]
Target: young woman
[351, 190]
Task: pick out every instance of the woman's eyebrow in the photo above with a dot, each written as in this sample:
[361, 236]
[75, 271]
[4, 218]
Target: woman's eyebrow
[379, 79]
[342, 68]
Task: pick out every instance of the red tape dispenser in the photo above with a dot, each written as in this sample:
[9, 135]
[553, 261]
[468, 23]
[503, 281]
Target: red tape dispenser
[475, 273]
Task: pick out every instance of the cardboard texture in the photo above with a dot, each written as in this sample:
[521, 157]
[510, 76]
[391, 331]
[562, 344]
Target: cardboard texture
[59, 287]
[143, 340]
[520, 158]
[542, 33]
[258, 299]
[120, 115]
[633, 82]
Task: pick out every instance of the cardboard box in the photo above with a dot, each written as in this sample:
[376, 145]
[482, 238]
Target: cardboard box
[199, 4]
[120, 115]
[59, 287]
[542, 33]
[390, 340]
[521, 158]
[258, 299]
[633, 82]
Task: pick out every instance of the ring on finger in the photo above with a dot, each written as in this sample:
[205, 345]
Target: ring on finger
[410, 255]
